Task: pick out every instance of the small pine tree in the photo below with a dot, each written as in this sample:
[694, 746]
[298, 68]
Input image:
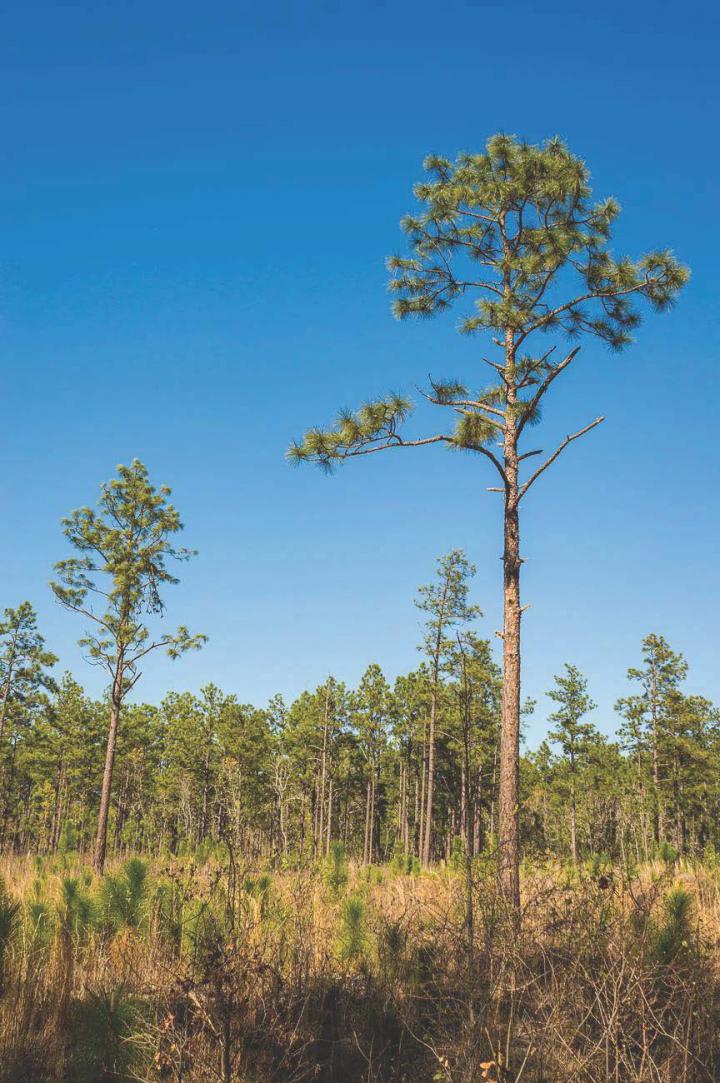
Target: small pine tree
[353, 938]
[336, 876]
[674, 937]
[124, 895]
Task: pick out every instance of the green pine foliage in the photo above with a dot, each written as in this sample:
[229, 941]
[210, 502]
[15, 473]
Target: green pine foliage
[124, 895]
[106, 1019]
[79, 910]
[352, 933]
[337, 873]
[205, 780]
[511, 233]
[674, 938]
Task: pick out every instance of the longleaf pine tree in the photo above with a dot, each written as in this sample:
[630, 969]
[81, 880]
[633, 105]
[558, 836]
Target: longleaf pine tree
[446, 603]
[574, 736]
[116, 584]
[513, 234]
[24, 660]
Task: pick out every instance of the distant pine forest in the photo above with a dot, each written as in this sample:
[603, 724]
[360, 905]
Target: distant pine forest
[282, 782]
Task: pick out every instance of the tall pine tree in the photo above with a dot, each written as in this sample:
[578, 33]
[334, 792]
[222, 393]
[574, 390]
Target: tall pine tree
[515, 231]
[115, 584]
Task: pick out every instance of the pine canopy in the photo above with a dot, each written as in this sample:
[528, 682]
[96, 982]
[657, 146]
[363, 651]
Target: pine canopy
[513, 236]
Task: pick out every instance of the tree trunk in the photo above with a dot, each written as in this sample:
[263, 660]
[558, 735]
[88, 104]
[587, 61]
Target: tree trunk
[468, 828]
[406, 811]
[657, 814]
[423, 773]
[323, 770]
[366, 848]
[328, 825]
[101, 840]
[371, 844]
[57, 811]
[509, 793]
[573, 827]
[463, 794]
[427, 843]
[206, 793]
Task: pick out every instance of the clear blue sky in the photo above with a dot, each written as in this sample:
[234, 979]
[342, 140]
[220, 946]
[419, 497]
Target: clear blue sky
[195, 205]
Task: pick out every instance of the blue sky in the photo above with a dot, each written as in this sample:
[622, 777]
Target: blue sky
[195, 206]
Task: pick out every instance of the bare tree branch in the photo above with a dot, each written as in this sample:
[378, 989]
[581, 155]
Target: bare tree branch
[555, 371]
[494, 460]
[548, 462]
[393, 440]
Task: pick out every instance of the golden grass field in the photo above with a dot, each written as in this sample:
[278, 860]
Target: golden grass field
[186, 971]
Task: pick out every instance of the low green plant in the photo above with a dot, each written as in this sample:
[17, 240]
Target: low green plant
[259, 889]
[667, 853]
[78, 910]
[68, 842]
[599, 865]
[710, 855]
[104, 1020]
[167, 910]
[674, 936]
[124, 895]
[38, 917]
[391, 948]
[457, 854]
[337, 874]
[352, 941]
[9, 910]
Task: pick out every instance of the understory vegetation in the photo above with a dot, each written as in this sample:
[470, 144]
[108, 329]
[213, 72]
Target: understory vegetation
[202, 968]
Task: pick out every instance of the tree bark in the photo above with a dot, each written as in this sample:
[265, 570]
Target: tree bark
[104, 811]
[323, 770]
[57, 811]
[366, 848]
[509, 791]
[371, 844]
[427, 843]
[328, 825]
[657, 815]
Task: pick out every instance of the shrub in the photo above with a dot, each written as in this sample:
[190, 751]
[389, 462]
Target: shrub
[336, 876]
[124, 895]
[667, 853]
[68, 843]
[167, 907]
[103, 1022]
[674, 936]
[78, 910]
[457, 854]
[39, 924]
[352, 938]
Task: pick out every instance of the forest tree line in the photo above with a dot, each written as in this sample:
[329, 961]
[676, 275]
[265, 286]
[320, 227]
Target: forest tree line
[405, 769]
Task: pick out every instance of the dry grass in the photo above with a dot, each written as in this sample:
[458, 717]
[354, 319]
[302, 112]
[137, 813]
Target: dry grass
[217, 973]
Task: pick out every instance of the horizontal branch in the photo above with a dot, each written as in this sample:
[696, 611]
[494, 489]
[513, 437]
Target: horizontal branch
[394, 441]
